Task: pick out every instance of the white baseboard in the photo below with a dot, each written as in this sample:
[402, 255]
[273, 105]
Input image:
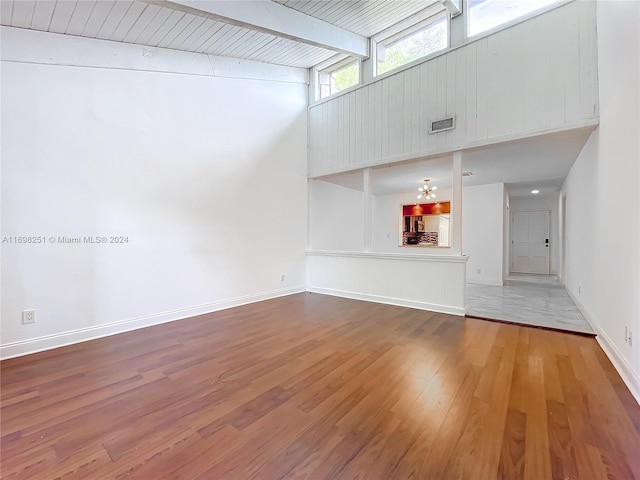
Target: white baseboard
[400, 302]
[490, 282]
[629, 377]
[48, 342]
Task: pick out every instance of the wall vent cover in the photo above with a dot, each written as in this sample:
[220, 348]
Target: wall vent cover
[443, 124]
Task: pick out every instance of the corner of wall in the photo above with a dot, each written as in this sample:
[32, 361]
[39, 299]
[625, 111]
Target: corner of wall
[623, 367]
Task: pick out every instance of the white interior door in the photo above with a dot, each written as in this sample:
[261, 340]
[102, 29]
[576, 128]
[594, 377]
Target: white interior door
[530, 244]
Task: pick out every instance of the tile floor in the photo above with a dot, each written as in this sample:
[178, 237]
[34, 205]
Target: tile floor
[538, 300]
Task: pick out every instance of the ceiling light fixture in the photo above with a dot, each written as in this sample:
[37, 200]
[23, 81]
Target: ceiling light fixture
[535, 192]
[426, 191]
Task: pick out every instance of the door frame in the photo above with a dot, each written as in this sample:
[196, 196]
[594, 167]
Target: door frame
[562, 238]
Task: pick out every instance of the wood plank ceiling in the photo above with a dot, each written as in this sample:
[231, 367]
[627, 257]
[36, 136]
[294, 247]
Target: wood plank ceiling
[158, 25]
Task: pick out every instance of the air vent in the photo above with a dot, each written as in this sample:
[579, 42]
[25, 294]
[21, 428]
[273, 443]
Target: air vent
[443, 124]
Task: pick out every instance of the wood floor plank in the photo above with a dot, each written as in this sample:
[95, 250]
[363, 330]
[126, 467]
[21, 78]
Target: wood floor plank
[317, 387]
[537, 457]
[519, 377]
[444, 443]
[562, 450]
[467, 457]
[183, 458]
[512, 453]
[494, 413]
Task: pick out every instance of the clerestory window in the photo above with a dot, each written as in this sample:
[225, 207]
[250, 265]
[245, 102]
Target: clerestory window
[338, 75]
[417, 41]
[484, 15]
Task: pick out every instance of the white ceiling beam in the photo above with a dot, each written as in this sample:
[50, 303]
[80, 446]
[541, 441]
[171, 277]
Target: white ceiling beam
[270, 17]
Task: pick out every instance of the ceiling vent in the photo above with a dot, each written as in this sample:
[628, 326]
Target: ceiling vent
[443, 124]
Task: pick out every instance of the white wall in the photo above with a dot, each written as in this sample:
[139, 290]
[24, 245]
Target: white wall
[206, 176]
[337, 218]
[533, 77]
[603, 197]
[543, 202]
[483, 232]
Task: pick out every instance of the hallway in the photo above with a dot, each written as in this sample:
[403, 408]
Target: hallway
[537, 300]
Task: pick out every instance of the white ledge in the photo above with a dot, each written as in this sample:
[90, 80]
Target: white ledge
[390, 256]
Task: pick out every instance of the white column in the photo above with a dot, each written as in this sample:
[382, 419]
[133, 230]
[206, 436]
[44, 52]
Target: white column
[367, 209]
[458, 28]
[456, 205]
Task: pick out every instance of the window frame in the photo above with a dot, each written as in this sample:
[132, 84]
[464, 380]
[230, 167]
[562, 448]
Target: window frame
[333, 64]
[405, 29]
[509, 23]
[452, 8]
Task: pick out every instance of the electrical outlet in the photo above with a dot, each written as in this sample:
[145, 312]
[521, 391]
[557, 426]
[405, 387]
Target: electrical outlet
[579, 288]
[479, 271]
[628, 336]
[282, 277]
[28, 316]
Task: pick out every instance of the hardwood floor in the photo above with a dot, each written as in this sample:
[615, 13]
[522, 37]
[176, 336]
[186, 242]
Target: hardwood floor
[311, 386]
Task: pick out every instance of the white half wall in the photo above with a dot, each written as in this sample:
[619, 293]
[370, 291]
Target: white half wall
[418, 277]
[483, 232]
[603, 198]
[205, 177]
[428, 282]
[543, 202]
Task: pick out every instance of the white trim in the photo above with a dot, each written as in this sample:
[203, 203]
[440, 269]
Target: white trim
[622, 366]
[490, 282]
[453, 10]
[48, 342]
[562, 237]
[400, 302]
[390, 256]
